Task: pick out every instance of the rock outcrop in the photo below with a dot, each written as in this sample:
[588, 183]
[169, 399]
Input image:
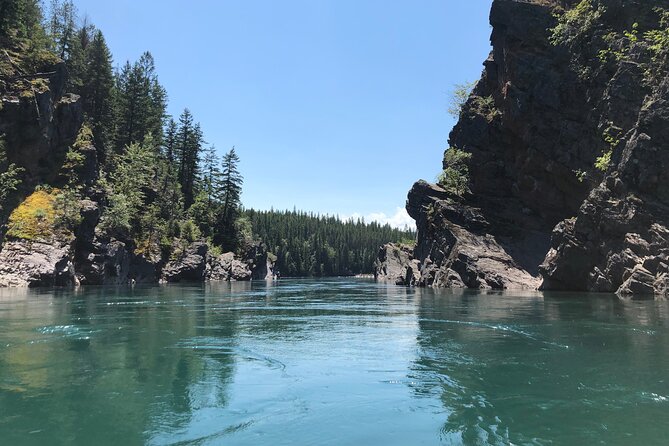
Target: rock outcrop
[396, 265]
[35, 264]
[569, 149]
[196, 264]
[189, 266]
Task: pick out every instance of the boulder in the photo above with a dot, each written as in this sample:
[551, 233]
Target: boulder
[189, 266]
[33, 264]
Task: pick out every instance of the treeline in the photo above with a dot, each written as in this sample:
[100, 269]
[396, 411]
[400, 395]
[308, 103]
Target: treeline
[158, 177]
[306, 244]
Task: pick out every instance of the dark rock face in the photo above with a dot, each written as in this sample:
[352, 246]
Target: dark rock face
[457, 248]
[620, 237]
[197, 265]
[538, 212]
[396, 265]
[39, 129]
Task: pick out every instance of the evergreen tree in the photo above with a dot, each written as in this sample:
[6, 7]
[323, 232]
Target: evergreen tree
[133, 173]
[62, 27]
[141, 102]
[230, 194]
[20, 18]
[311, 245]
[189, 147]
[77, 58]
[211, 175]
[97, 92]
[170, 142]
[207, 202]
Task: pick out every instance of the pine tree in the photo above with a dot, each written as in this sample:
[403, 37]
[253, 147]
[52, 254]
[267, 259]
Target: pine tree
[141, 102]
[97, 92]
[62, 27]
[190, 142]
[207, 202]
[21, 18]
[77, 59]
[230, 193]
[170, 142]
[211, 175]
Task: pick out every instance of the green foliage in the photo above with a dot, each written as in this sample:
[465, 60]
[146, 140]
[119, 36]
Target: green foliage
[97, 92]
[74, 158]
[652, 47]
[459, 98]
[485, 106]
[619, 46]
[10, 179]
[68, 209]
[603, 162]
[312, 245]
[580, 175]
[611, 137]
[117, 213]
[132, 174]
[575, 23]
[187, 149]
[190, 231]
[230, 191]
[455, 176]
[244, 230]
[20, 19]
[84, 138]
[657, 41]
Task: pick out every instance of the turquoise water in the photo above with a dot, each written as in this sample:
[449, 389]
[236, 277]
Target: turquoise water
[331, 362]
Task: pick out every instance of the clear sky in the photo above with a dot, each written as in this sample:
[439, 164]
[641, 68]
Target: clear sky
[334, 106]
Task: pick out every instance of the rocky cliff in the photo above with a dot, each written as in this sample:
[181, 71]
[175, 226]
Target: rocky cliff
[568, 136]
[40, 123]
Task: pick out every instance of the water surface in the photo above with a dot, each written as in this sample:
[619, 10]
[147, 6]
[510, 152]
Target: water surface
[330, 362]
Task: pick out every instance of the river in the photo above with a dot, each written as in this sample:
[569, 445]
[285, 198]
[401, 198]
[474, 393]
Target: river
[330, 362]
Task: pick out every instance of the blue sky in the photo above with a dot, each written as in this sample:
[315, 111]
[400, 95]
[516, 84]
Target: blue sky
[334, 106]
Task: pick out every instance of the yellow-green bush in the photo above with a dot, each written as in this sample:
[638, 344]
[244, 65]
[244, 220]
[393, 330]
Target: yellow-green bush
[35, 218]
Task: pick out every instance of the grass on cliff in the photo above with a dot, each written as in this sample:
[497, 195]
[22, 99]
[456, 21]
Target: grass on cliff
[43, 215]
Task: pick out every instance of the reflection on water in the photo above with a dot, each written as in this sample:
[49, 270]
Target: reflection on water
[329, 362]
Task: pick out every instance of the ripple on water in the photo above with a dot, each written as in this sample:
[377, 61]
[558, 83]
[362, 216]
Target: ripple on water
[67, 331]
[220, 346]
[654, 397]
[498, 327]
